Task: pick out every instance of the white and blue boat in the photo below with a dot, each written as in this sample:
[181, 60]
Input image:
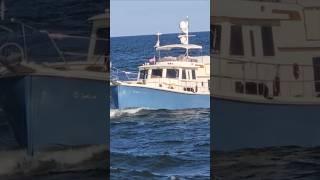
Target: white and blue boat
[53, 97]
[166, 82]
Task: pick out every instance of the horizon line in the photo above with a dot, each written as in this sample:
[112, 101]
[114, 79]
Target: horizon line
[154, 34]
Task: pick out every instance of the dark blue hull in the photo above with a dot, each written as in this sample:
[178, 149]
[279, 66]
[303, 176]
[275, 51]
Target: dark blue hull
[52, 111]
[133, 97]
[238, 124]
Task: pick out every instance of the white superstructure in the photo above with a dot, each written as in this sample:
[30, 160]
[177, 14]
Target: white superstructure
[266, 51]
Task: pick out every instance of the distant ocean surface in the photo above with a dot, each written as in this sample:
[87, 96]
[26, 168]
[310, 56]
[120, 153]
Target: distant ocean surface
[67, 17]
[157, 144]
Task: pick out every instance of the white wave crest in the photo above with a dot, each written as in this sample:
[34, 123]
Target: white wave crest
[117, 112]
[19, 162]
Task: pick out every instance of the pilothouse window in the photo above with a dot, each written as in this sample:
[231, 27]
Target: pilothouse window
[101, 43]
[184, 75]
[316, 72]
[267, 41]
[143, 74]
[156, 73]
[193, 74]
[215, 38]
[236, 41]
[172, 73]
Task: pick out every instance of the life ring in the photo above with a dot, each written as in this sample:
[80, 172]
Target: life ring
[11, 54]
[296, 71]
[276, 86]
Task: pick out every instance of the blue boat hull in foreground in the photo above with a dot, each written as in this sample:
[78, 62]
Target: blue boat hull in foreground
[135, 97]
[49, 111]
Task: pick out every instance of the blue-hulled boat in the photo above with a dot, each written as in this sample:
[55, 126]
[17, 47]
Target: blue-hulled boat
[53, 97]
[166, 82]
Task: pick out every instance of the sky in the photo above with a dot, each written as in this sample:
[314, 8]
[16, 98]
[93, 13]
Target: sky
[147, 17]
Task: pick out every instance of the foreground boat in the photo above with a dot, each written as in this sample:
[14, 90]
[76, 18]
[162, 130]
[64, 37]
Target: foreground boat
[166, 82]
[53, 98]
[266, 83]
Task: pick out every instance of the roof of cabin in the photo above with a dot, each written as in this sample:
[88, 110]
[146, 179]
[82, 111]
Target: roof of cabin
[181, 46]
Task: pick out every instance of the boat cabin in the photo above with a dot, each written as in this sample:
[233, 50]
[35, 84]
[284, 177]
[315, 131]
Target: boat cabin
[254, 52]
[182, 73]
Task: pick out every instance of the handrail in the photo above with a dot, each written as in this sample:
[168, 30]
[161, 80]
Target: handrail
[120, 75]
[244, 61]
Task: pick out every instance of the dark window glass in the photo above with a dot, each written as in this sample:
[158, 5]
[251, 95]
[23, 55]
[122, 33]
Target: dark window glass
[193, 74]
[236, 41]
[156, 73]
[316, 72]
[143, 74]
[239, 87]
[251, 88]
[253, 50]
[184, 74]
[101, 42]
[215, 38]
[267, 41]
[172, 73]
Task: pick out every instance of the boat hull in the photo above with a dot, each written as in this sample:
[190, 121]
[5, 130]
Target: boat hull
[238, 125]
[49, 111]
[135, 97]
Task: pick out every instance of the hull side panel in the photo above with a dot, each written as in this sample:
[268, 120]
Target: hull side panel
[238, 125]
[68, 112]
[13, 101]
[55, 111]
[133, 97]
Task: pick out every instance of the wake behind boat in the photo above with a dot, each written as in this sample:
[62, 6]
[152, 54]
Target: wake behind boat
[169, 82]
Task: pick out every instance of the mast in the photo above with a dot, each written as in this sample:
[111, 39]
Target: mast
[187, 34]
[158, 43]
[2, 9]
[184, 38]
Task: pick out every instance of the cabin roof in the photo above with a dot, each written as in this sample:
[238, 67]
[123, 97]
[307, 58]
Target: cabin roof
[179, 46]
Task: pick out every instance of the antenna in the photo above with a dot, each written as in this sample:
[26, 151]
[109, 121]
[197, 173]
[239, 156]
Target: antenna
[3, 9]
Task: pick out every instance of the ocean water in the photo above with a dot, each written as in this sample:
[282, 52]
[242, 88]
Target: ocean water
[157, 144]
[66, 17]
[276, 163]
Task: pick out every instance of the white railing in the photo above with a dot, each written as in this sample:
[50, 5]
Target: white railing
[120, 75]
[21, 46]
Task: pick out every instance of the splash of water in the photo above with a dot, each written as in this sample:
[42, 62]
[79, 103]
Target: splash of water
[19, 162]
[114, 113]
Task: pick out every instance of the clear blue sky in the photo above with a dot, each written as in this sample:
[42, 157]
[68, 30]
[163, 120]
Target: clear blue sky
[144, 17]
